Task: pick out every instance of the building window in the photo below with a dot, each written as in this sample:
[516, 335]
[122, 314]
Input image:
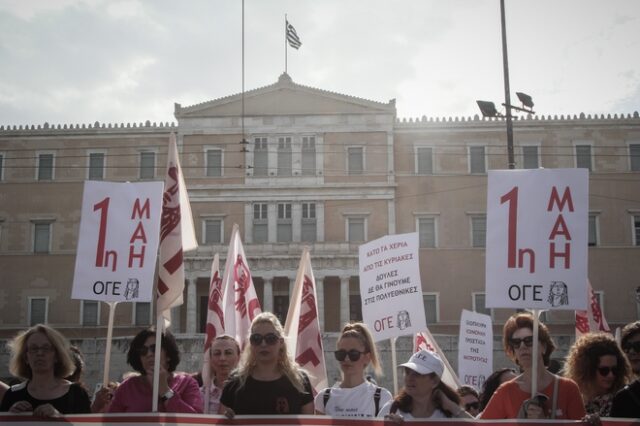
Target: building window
[427, 232]
[142, 313]
[214, 162]
[260, 225]
[1, 166]
[309, 224]
[477, 160]
[478, 231]
[636, 230]
[284, 156]
[356, 229]
[96, 166]
[593, 230]
[147, 165]
[38, 310]
[41, 237]
[355, 160]
[281, 299]
[309, 156]
[530, 159]
[583, 157]
[90, 312]
[285, 228]
[634, 157]
[431, 313]
[355, 302]
[212, 231]
[45, 166]
[480, 304]
[260, 157]
[424, 160]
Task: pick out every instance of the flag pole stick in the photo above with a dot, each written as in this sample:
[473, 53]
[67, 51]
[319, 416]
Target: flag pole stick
[156, 362]
[534, 358]
[394, 362]
[107, 353]
[285, 43]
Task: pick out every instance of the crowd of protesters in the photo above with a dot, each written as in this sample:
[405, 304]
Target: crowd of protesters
[600, 378]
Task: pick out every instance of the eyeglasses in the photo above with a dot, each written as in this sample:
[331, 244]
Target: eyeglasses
[270, 339]
[353, 354]
[144, 350]
[515, 343]
[472, 406]
[632, 345]
[45, 349]
[604, 371]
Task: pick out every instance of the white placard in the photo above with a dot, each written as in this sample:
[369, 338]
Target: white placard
[475, 349]
[118, 241]
[537, 238]
[390, 286]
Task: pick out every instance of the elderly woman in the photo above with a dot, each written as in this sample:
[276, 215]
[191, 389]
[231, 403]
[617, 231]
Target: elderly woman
[267, 381]
[40, 356]
[224, 355]
[557, 397]
[424, 395]
[596, 363]
[178, 393]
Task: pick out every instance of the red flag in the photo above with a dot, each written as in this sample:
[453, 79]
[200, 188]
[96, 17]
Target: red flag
[303, 326]
[171, 267]
[425, 341]
[593, 318]
[241, 303]
[215, 325]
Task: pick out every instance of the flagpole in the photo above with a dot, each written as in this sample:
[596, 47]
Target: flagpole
[393, 365]
[285, 43]
[156, 361]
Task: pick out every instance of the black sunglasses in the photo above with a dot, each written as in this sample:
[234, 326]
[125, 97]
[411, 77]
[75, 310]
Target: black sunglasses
[515, 343]
[144, 350]
[270, 338]
[472, 406]
[353, 354]
[635, 346]
[604, 371]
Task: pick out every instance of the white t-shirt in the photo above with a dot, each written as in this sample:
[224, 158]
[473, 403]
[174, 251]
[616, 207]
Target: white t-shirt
[437, 413]
[352, 402]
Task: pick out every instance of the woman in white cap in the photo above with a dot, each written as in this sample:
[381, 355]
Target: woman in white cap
[424, 395]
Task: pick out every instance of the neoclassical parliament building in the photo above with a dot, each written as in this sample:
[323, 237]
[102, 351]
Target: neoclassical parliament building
[321, 169]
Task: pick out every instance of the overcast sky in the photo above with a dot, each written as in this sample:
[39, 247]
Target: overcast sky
[81, 61]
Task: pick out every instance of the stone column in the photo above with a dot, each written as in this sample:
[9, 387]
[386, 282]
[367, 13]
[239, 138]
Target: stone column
[320, 301]
[268, 294]
[191, 306]
[344, 300]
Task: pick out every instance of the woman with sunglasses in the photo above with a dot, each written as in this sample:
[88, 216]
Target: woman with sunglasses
[492, 383]
[178, 393]
[598, 366]
[513, 398]
[40, 356]
[224, 355]
[354, 396]
[267, 380]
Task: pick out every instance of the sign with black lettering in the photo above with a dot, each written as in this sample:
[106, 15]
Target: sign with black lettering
[475, 348]
[118, 241]
[537, 239]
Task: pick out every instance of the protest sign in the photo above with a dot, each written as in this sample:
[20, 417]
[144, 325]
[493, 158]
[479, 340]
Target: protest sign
[537, 222]
[475, 348]
[118, 241]
[390, 286]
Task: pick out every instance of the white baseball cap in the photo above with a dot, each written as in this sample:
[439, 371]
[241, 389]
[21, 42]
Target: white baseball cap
[425, 362]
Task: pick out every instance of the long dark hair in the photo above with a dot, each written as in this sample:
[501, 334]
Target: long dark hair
[404, 402]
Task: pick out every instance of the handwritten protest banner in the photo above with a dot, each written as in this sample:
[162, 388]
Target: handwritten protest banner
[475, 348]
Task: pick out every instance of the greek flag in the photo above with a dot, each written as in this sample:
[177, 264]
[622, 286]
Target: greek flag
[292, 36]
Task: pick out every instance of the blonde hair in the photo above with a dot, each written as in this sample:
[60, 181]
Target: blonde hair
[18, 365]
[360, 331]
[286, 365]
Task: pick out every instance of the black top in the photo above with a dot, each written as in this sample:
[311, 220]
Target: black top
[75, 401]
[626, 403]
[266, 397]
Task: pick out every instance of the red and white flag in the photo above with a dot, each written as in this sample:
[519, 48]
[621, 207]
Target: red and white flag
[425, 341]
[176, 224]
[302, 327]
[241, 303]
[593, 318]
[215, 325]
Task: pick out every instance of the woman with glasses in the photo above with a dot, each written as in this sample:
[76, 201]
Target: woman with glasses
[469, 399]
[425, 395]
[177, 393]
[557, 397]
[267, 380]
[224, 355]
[354, 396]
[40, 356]
[598, 366]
